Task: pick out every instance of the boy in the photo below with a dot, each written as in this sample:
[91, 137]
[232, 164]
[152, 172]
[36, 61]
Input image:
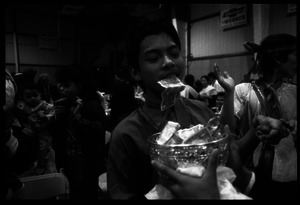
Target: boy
[153, 52]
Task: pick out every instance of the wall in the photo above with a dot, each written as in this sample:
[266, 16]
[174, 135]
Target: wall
[281, 21]
[210, 44]
[27, 28]
[76, 42]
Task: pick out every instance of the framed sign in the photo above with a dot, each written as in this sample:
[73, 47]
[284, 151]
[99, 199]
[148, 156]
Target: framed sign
[292, 8]
[233, 17]
[48, 43]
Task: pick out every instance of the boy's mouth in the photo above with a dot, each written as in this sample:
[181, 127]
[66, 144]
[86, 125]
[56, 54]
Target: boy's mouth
[169, 75]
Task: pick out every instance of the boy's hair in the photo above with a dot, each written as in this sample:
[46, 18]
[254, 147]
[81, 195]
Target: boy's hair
[150, 24]
[275, 48]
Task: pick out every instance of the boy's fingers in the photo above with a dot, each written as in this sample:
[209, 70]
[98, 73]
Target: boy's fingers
[165, 170]
[213, 162]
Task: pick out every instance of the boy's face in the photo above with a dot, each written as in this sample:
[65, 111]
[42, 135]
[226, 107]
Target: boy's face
[159, 58]
[31, 97]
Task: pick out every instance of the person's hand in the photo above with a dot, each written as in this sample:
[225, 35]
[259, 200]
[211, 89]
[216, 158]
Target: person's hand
[188, 187]
[270, 129]
[224, 79]
[243, 175]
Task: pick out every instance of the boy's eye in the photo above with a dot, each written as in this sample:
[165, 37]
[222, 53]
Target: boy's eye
[152, 57]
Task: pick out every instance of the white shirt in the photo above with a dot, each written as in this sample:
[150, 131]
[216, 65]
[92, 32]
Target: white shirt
[218, 87]
[188, 90]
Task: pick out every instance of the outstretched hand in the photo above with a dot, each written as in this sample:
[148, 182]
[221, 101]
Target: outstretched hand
[270, 128]
[188, 187]
[224, 79]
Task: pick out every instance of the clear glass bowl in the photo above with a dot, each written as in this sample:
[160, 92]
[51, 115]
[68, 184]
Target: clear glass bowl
[184, 155]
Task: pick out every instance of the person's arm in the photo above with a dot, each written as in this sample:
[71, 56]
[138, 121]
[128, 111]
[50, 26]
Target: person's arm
[227, 114]
[193, 93]
[248, 143]
[244, 177]
[189, 187]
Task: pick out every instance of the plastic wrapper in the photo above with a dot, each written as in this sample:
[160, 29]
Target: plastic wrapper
[173, 87]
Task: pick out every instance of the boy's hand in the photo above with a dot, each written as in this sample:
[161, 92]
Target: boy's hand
[189, 187]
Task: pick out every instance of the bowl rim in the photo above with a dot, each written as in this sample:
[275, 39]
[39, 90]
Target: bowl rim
[152, 142]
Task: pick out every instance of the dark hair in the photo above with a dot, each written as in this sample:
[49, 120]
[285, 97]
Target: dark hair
[275, 48]
[212, 75]
[222, 94]
[189, 79]
[150, 24]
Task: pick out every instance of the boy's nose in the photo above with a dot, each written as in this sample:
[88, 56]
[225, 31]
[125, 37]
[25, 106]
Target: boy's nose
[168, 62]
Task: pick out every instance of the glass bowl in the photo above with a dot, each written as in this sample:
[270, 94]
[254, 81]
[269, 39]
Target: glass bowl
[185, 155]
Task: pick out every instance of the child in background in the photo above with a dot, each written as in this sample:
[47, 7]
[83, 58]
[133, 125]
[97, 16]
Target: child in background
[34, 116]
[219, 103]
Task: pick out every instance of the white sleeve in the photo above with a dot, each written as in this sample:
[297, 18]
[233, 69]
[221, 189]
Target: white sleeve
[250, 184]
[239, 99]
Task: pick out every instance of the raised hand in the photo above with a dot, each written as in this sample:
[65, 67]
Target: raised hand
[224, 79]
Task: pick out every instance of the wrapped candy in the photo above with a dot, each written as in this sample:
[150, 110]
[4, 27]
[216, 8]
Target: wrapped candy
[173, 86]
[198, 134]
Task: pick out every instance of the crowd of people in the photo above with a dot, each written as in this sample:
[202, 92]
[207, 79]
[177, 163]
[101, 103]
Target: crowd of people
[62, 128]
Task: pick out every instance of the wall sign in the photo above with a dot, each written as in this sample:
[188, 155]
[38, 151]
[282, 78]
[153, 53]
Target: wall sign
[233, 17]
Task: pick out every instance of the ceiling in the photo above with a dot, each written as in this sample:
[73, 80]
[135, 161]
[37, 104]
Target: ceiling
[85, 9]
[92, 14]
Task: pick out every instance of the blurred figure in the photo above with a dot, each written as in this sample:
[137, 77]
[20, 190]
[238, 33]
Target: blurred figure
[274, 162]
[79, 134]
[123, 100]
[9, 143]
[189, 79]
[219, 103]
[208, 93]
[198, 85]
[34, 116]
[49, 92]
